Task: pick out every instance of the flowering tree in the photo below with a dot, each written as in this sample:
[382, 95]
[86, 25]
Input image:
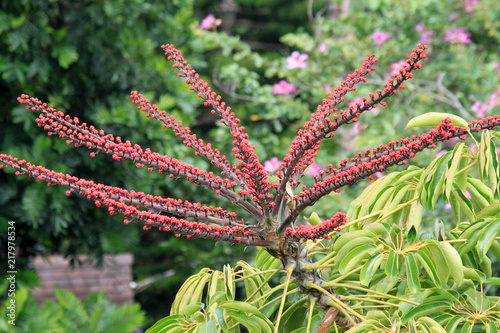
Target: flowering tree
[327, 275]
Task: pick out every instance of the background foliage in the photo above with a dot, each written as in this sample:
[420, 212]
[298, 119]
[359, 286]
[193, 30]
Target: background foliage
[86, 56]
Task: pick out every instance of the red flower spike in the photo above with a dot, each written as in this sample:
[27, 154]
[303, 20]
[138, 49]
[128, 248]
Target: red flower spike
[308, 140]
[245, 183]
[243, 150]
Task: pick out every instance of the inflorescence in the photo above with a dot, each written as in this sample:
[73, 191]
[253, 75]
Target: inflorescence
[245, 183]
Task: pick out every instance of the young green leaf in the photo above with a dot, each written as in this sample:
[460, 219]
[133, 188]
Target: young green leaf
[412, 274]
[369, 269]
[313, 219]
[453, 260]
[487, 236]
[434, 119]
[391, 265]
[355, 255]
[427, 308]
[429, 267]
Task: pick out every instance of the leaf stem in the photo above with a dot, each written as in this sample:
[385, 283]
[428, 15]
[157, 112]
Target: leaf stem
[280, 311]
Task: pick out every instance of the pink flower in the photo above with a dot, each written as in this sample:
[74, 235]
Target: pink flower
[425, 35]
[314, 169]
[479, 108]
[441, 152]
[283, 87]
[419, 27]
[322, 48]
[272, 165]
[494, 99]
[296, 60]
[468, 4]
[210, 22]
[457, 36]
[379, 37]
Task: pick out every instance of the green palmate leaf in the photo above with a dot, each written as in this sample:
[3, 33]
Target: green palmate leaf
[492, 327]
[293, 316]
[453, 261]
[478, 199]
[216, 287]
[453, 323]
[361, 205]
[364, 236]
[266, 262]
[398, 196]
[455, 206]
[392, 265]
[483, 190]
[489, 211]
[453, 165]
[240, 306]
[430, 186]
[382, 317]
[253, 284]
[208, 327]
[427, 308]
[191, 291]
[488, 162]
[434, 119]
[387, 284]
[412, 273]
[415, 215]
[378, 229]
[495, 249]
[475, 301]
[494, 170]
[264, 324]
[429, 267]
[467, 328]
[464, 203]
[492, 280]
[436, 255]
[355, 255]
[219, 316]
[485, 264]
[461, 178]
[470, 234]
[346, 248]
[250, 323]
[369, 269]
[413, 173]
[229, 282]
[431, 325]
[369, 325]
[165, 324]
[411, 234]
[474, 274]
[313, 219]
[382, 201]
[189, 309]
[486, 237]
